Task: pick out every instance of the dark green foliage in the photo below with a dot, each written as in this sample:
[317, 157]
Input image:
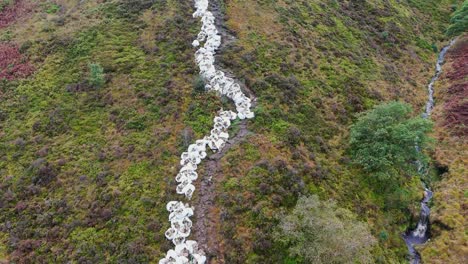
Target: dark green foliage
[96, 75]
[383, 140]
[321, 232]
[131, 8]
[425, 45]
[199, 85]
[51, 8]
[383, 235]
[459, 21]
[137, 123]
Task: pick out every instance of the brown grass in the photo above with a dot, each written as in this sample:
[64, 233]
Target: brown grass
[13, 12]
[449, 242]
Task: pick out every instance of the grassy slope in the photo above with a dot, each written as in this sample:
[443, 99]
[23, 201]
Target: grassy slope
[111, 152]
[313, 65]
[451, 196]
[85, 175]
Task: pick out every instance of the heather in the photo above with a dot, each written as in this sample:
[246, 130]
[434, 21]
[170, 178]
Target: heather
[99, 99]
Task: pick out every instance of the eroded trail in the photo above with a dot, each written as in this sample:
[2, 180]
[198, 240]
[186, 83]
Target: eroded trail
[208, 42]
[207, 217]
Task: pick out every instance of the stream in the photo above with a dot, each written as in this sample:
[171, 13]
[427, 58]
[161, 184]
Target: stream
[420, 234]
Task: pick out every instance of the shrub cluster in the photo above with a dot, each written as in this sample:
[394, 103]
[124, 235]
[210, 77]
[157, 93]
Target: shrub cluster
[11, 10]
[13, 65]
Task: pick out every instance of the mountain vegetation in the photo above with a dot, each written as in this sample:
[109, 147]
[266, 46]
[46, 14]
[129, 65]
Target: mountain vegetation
[451, 130]
[320, 232]
[98, 99]
[459, 21]
[387, 142]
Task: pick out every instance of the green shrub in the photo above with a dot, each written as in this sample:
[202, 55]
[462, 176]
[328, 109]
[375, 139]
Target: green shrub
[459, 21]
[383, 140]
[384, 35]
[51, 8]
[321, 232]
[137, 123]
[96, 75]
[383, 235]
[424, 44]
[199, 85]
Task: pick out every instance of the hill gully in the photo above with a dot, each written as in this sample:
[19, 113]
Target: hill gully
[420, 234]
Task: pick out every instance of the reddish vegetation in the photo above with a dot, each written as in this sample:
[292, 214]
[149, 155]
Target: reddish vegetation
[459, 56]
[12, 12]
[12, 64]
[456, 106]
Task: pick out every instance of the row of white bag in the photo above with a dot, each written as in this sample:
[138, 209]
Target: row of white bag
[196, 152]
[216, 79]
[186, 251]
[182, 255]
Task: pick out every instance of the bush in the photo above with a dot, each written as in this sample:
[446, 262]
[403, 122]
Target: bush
[321, 232]
[459, 21]
[96, 75]
[384, 140]
[51, 8]
[131, 8]
[199, 85]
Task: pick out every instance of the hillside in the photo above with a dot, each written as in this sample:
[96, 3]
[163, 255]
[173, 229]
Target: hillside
[449, 219]
[98, 99]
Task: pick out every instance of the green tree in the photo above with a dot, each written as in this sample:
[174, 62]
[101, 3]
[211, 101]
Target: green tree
[321, 232]
[96, 75]
[384, 140]
[459, 21]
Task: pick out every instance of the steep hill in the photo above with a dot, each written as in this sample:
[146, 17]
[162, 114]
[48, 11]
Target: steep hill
[449, 219]
[98, 99]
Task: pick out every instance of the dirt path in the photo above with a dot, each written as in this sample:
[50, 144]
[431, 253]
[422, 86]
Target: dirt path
[207, 217]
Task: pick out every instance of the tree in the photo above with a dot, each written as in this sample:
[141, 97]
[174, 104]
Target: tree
[386, 141]
[459, 21]
[321, 232]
